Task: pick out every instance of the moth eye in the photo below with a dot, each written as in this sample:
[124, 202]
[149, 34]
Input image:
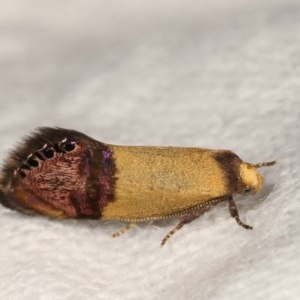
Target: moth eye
[67, 145]
[48, 151]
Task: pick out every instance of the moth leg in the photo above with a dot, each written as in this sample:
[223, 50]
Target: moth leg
[123, 229]
[235, 214]
[185, 219]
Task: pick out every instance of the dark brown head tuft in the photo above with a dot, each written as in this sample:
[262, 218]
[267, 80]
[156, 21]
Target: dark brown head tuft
[230, 164]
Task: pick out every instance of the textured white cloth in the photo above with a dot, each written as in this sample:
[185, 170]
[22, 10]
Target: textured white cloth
[207, 73]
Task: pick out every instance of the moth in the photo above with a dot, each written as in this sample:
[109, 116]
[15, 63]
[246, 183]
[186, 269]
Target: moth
[63, 173]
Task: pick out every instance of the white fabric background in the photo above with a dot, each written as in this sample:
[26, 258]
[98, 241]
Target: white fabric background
[207, 73]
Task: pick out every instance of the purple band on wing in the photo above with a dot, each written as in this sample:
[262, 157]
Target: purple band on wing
[106, 178]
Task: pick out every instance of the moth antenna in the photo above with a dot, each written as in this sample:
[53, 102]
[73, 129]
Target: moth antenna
[265, 164]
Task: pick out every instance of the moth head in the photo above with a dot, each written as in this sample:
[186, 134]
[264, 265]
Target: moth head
[250, 176]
